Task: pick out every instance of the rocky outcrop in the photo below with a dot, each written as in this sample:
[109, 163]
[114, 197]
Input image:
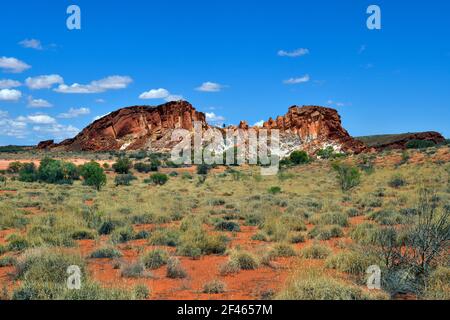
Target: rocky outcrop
[45, 145]
[135, 128]
[399, 141]
[315, 128]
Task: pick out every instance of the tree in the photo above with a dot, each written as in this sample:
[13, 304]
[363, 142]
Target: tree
[122, 166]
[93, 175]
[14, 167]
[299, 157]
[28, 172]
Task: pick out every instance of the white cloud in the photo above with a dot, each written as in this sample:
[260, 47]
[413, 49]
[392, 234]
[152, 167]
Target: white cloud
[97, 86]
[10, 95]
[8, 84]
[13, 65]
[303, 79]
[100, 100]
[155, 94]
[31, 43]
[259, 123]
[44, 82]
[212, 117]
[12, 128]
[38, 103]
[362, 49]
[210, 87]
[39, 119]
[3, 114]
[293, 54]
[173, 97]
[73, 113]
[57, 131]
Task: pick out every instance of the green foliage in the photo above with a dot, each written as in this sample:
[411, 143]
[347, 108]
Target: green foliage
[159, 179]
[122, 165]
[28, 172]
[107, 252]
[336, 218]
[145, 167]
[3, 180]
[175, 269]
[274, 190]
[57, 171]
[245, 260]
[223, 225]
[14, 167]
[352, 262]
[325, 232]
[349, 176]
[299, 157]
[419, 144]
[329, 153]
[124, 179]
[397, 181]
[155, 259]
[93, 175]
[214, 287]
[202, 169]
[315, 251]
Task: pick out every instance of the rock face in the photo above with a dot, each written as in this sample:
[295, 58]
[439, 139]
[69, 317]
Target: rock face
[135, 128]
[399, 141]
[44, 145]
[312, 128]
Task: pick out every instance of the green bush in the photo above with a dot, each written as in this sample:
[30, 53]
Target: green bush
[325, 232]
[57, 171]
[349, 177]
[132, 270]
[283, 250]
[107, 252]
[364, 233]
[159, 179]
[175, 269]
[223, 225]
[202, 169]
[122, 235]
[122, 165]
[352, 262]
[438, 285]
[299, 157]
[155, 259]
[419, 144]
[214, 287]
[274, 190]
[145, 167]
[245, 260]
[14, 167]
[28, 172]
[397, 181]
[124, 179]
[93, 175]
[328, 153]
[3, 180]
[336, 218]
[315, 251]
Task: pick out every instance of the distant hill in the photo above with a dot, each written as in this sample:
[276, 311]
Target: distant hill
[399, 141]
[12, 149]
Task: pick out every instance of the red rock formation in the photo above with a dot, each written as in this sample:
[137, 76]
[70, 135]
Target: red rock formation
[315, 127]
[134, 128]
[399, 141]
[44, 145]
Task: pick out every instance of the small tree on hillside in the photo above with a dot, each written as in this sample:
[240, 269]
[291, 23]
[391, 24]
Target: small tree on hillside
[349, 176]
[93, 175]
[122, 166]
[299, 157]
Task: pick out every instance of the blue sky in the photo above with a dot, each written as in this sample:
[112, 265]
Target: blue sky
[232, 59]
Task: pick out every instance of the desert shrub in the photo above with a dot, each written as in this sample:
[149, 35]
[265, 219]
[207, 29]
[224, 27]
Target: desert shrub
[245, 260]
[107, 252]
[46, 265]
[260, 236]
[202, 169]
[364, 233]
[14, 167]
[141, 292]
[328, 153]
[325, 232]
[316, 286]
[57, 171]
[83, 234]
[122, 165]
[28, 173]
[352, 262]
[132, 270]
[124, 179]
[274, 190]
[93, 175]
[367, 164]
[145, 167]
[7, 261]
[437, 286]
[175, 269]
[353, 212]
[283, 250]
[348, 176]
[315, 251]
[122, 235]
[214, 287]
[186, 176]
[107, 227]
[397, 181]
[296, 237]
[386, 217]
[419, 144]
[155, 259]
[3, 180]
[299, 157]
[158, 179]
[223, 225]
[165, 237]
[229, 267]
[336, 218]
[17, 242]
